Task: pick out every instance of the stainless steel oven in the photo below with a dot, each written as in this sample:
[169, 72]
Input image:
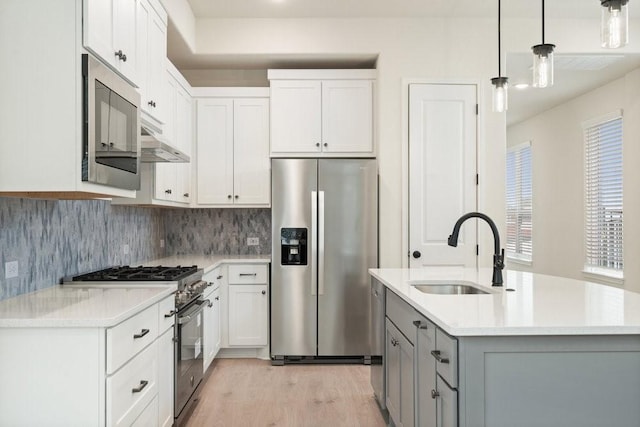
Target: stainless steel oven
[188, 356]
[111, 127]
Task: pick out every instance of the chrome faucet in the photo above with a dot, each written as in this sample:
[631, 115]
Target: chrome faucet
[498, 255]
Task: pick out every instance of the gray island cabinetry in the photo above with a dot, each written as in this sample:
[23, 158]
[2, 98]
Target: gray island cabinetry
[440, 372]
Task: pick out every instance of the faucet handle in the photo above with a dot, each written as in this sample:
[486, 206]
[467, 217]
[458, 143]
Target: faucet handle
[498, 260]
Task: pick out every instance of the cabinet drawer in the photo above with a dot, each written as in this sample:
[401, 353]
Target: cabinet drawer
[131, 389]
[244, 274]
[402, 315]
[129, 337]
[166, 314]
[149, 416]
[446, 404]
[447, 358]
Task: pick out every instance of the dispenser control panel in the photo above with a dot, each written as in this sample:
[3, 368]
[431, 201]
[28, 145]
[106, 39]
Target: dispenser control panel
[293, 242]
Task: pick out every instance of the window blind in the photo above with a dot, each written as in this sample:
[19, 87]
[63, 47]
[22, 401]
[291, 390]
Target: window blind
[519, 202]
[603, 194]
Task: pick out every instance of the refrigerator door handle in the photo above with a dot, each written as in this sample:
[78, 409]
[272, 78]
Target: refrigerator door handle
[320, 242]
[314, 239]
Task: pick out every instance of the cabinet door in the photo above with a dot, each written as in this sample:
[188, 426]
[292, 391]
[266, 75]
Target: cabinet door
[248, 315]
[208, 327]
[392, 371]
[426, 375]
[296, 116]
[347, 116]
[165, 379]
[447, 404]
[157, 51]
[407, 380]
[143, 16]
[165, 181]
[214, 151]
[124, 37]
[216, 335]
[98, 28]
[252, 166]
[184, 141]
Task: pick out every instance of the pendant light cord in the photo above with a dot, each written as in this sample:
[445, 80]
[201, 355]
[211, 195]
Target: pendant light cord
[499, 51]
[542, 21]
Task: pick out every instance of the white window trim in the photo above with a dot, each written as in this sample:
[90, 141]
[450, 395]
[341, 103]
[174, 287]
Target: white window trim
[514, 257]
[604, 275]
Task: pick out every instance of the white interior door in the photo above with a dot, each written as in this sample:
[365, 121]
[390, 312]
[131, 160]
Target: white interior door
[442, 173]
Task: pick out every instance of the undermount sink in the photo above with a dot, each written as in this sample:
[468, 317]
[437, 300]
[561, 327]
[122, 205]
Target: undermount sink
[448, 289]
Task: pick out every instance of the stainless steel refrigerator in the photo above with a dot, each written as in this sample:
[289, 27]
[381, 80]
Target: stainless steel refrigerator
[325, 238]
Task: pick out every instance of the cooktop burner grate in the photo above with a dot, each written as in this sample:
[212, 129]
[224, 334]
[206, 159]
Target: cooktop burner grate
[138, 274]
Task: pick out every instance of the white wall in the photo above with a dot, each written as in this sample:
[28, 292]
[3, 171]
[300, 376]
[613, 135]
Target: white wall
[558, 187]
[438, 49]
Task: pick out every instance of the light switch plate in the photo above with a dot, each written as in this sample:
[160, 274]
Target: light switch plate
[10, 269]
[253, 241]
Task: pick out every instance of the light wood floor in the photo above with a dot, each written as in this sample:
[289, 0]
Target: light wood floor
[251, 392]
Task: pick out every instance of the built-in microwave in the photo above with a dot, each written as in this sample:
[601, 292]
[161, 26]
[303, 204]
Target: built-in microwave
[111, 127]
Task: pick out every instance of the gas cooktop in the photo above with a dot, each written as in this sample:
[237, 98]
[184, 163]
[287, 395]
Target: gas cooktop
[138, 274]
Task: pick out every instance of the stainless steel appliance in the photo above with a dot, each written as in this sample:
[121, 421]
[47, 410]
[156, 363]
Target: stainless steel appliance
[377, 339]
[188, 333]
[111, 127]
[325, 237]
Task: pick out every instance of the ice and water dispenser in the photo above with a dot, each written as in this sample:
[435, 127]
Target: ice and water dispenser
[293, 242]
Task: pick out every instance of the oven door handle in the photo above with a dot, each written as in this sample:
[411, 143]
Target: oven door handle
[188, 317]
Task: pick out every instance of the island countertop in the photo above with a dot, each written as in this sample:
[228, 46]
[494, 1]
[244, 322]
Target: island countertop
[538, 305]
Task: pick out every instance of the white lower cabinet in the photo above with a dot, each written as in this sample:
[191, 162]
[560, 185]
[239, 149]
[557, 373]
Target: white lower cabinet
[211, 327]
[165, 379]
[248, 315]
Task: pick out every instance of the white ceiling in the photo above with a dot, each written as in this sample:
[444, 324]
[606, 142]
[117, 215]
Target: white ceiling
[390, 8]
[569, 81]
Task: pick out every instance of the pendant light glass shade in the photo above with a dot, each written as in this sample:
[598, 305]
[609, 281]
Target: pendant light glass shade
[500, 94]
[614, 28]
[543, 65]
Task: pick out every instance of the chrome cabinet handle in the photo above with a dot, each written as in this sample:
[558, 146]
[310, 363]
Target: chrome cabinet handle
[219, 277]
[170, 314]
[434, 394]
[152, 103]
[168, 191]
[264, 292]
[141, 334]
[418, 324]
[248, 274]
[436, 354]
[185, 195]
[141, 387]
[217, 298]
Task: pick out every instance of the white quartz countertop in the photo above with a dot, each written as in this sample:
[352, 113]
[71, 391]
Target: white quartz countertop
[209, 262]
[79, 306]
[539, 304]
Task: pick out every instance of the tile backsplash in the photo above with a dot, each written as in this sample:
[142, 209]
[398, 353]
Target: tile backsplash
[218, 231]
[53, 239]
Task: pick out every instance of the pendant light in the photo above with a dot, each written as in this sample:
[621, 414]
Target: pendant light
[500, 84]
[543, 61]
[614, 27]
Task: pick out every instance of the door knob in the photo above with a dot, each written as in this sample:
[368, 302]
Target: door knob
[416, 254]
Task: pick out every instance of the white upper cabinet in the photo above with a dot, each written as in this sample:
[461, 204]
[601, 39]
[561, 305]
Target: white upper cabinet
[322, 113]
[152, 52]
[232, 148]
[109, 31]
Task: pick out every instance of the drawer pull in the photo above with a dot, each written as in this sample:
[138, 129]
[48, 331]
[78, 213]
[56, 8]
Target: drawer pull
[394, 342]
[141, 387]
[219, 277]
[170, 314]
[436, 354]
[248, 274]
[418, 324]
[141, 334]
[434, 394]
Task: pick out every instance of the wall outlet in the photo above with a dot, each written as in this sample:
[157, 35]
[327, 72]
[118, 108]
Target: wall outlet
[253, 241]
[10, 269]
[125, 249]
[161, 243]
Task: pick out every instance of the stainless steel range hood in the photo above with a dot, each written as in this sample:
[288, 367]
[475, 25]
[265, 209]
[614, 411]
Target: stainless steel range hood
[156, 150]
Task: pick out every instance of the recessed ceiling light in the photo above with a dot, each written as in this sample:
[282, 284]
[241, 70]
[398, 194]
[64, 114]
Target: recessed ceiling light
[521, 86]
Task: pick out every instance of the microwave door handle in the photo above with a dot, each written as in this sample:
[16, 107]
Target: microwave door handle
[314, 240]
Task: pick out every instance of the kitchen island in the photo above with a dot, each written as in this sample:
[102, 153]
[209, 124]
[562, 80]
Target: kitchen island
[540, 351]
